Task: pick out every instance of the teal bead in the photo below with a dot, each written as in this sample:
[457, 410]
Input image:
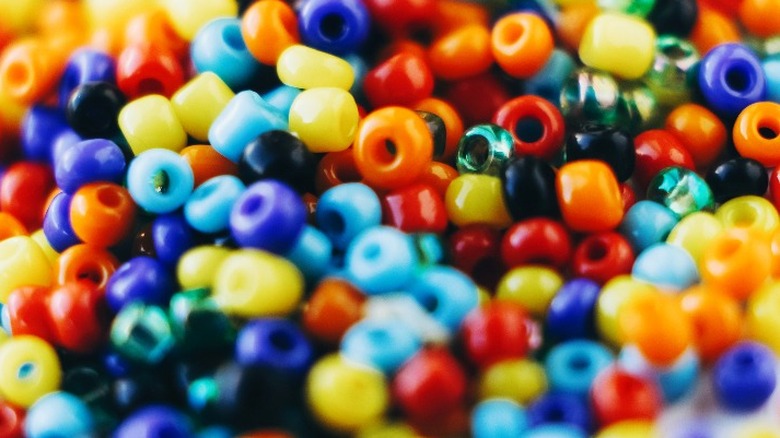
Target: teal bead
[639, 108]
[632, 7]
[202, 393]
[647, 223]
[669, 78]
[484, 149]
[198, 324]
[549, 82]
[590, 95]
[430, 249]
[771, 67]
[681, 190]
[142, 333]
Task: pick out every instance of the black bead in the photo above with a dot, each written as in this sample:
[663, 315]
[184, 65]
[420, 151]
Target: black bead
[141, 389]
[599, 142]
[88, 383]
[93, 108]
[675, 17]
[279, 155]
[438, 131]
[529, 188]
[737, 177]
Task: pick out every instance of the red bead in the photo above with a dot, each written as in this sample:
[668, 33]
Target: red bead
[143, 69]
[495, 332]
[336, 168]
[617, 395]
[655, 150]
[475, 250]
[415, 209]
[401, 80]
[477, 98]
[332, 309]
[24, 190]
[603, 256]
[538, 241]
[628, 195]
[774, 187]
[11, 421]
[79, 316]
[400, 16]
[431, 384]
[28, 312]
[536, 125]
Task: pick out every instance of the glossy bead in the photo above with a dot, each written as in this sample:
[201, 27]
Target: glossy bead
[402, 79]
[699, 130]
[555, 430]
[647, 317]
[572, 366]
[716, 318]
[26, 312]
[336, 168]
[154, 420]
[752, 213]
[533, 287]
[188, 17]
[713, 27]
[674, 17]
[268, 28]
[304, 67]
[639, 108]
[218, 47]
[536, 241]
[380, 344]
[85, 65]
[528, 185]
[207, 163]
[154, 25]
[325, 118]
[159, 180]
[346, 210]
[453, 125]
[430, 384]
[676, 380]
[681, 190]
[39, 129]
[171, 237]
[335, 27]
[463, 52]
[668, 77]
[78, 316]
[93, 108]
[556, 409]
[571, 314]
[666, 266]
[380, 259]
[598, 142]
[611, 37]
[414, 209]
[731, 78]
[24, 191]
[56, 223]
[268, 215]
[151, 123]
[737, 177]
[755, 133]
[494, 333]
[333, 307]
[276, 343]
[519, 380]
[548, 82]
[199, 102]
[30, 67]
[535, 124]
[737, 262]
[744, 377]
[476, 199]
[498, 418]
[617, 395]
[23, 263]
[208, 207]
[144, 69]
[282, 97]
[140, 279]
[84, 263]
[590, 96]
[29, 368]
[197, 267]
[89, 161]
[521, 33]
[770, 64]
[13, 420]
[58, 412]
[656, 150]
[589, 196]
[602, 256]
[614, 295]
[647, 223]
[694, 232]
[484, 149]
[142, 333]
[475, 250]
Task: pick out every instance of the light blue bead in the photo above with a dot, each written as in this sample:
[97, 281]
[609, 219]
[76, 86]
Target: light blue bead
[384, 345]
[548, 83]
[572, 366]
[675, 381]
[219, 47]
[381, 259]
[360, 69]
[666, 266]
[312, 253]
[59, 414]
[160, 180]
[554, 431]
[346, 210]
[498, 418]
[282, 97]
[771, 67]
[446, 293]
[5, 320]
[245, 117]
[647, 223]
[208, 207]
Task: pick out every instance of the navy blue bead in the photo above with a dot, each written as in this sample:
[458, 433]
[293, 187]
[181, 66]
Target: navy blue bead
[171, 237]
[554, 408]
[335, 26]
[40, 127]
[731, 78]
[141, 279]
[344, 211]
[571, 313]
[89, 161]
[155, 421]
[85, 65]
[384, 345]
[274, 343]
[737, 177]
[56, 224]
[269, 215]
[744, 377]
[572, 366]
[219, 47]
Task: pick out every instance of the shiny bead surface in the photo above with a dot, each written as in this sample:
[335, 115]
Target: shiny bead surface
[429, 385]
[89, 161]
[380, 344]
[197, 267]
[589, 196]
[149, 123]
[528, 185]
[208, 207]
[693, 233]
[266, 18]
[572, 310]
[533, 287]
[335, 27]
[144, 69]
[598, 142]
[159, 180]
[414, 209]
[656, 150]
[602, 256]
[744, 377]
[497, 418]
[681, 190]
[494, 333]
[731, 78]
[198, 103]
[535, 124]
[699, 130]
[102, 214]
[617, 395]
[92, 109]
[29, 368]
[23, 263]
[737, 262]
[755, 133]
[58, 412]
[325, 118]
[572, 366]
[520, 380]
[674, 17]
[402, 79]
[462, 52]
[305, 67]
[474, 199]
[647, 317]
[668, 77]
[647, 223]
[536, 241]
[142, 333]
[278, 155]
[590, 95]
[752, 213]
[268, 215]
[666, 266]
[381, 259]
[737, 177]
[521, 33]
[718, 319]
[612, 37]
[218, 47]
[484, 149]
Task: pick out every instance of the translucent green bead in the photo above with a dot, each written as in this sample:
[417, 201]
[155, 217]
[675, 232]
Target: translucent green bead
[484, 149]
[639, 107]
[681, 190]
[633, 7]
[142, 333]
[590, 96]
[198, 324]
[669, 77]
[430, 248]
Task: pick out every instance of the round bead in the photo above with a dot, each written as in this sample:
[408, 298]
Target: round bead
[474, 249]
[676, 380]
[656, 150]
[535, 124]
[647, 317]
[717, 316]
[402, 79]
[268, 215]
[528, 185]
[533, 287]
[102, 214]
[498, 418]
[325, 118]
[462, 52]
[681, 190]
[197, 266]
[617, 396]
[521, 33]
[548, 82]
[572, 366]
[484, 149]
[382, 345]
[159, 180]
[674, 61]
[58, 413]
[598, 142]
[674, 17]
[560, 409]
[335, 27]
[208, 207]
[346, 210]
[737, 177]
[155, 420]
[589, 196]
[744, 377]
[24, 191]
[755, 133]
[612, 37]
[381, 259]
[666, 266]
[694, 232]
[312, 253]
[731, 78]
[29, 369]
[590, 95]
[56, 224]
[476, 199]
[737, 262]
[647, 223]
[536, 241]
[699, 130]
[268, 29]
[614, 295]
[333, 307]
[218, 47]
[495, 332]
[572, 310]
[752, 213]
[93, 108]
[431, 384]
[89, 161]
[141, 279]
[602, 256]
[84, 66]
[416, 208]
[555, 431]
[278, 155]
[521, 381]
[22, 263]
[275, 343]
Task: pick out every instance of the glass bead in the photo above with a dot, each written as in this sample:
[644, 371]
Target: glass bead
[142, 333]
[590, 95]
[438, 130]
[755, 133]
[700, 132]
[415, 208]
[737, 177]
[198, 324]
[484, 149]
[681, 190]
[462, 52]
[669, 77]
[639, 107]
[401, 80]
[610, 38]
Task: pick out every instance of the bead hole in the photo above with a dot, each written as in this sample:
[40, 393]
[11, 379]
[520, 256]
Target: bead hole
[767, 132]
[744, 360]
[90, 272]
[17, 75]
[675, 51]
[333, 222]
[728, 248]
[109, 197]
[529, 130]
[160, 182]
[579, 363]
[231, 35]
[597, 250]
[333, 27]
[739, 78]
[556, 415]
[252, 205]
[25, 371]
[429, 302]
[512, 33]
[282, 341]
[744, 218]
[372, 252]
[150, 86]
[477, 149]
[385, 154]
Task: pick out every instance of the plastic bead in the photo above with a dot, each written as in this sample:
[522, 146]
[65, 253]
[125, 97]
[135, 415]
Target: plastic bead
[476, 199]
[13, 420]
[85, 66]
[26, 312]
[737, 262]
[335, 27]
[571, 314]
[519, 380]
[752, 213]
[694, 232]
[268, 215]
[154, 420]
[617, 396]
[333, 307]
[197, 267]
[144, 69]
[656, 150]
[744, 377]
[755, 133]
[154, 26]
[101, 214]
[598, 142]
[29, 368]
[141, 279]
[199, 325]
[535, 124]
[461, 53]
[647, 223]
[666, 266]
[521, 33]
[380, 259]
[199, 102]
[414, 209]
[159, 180]
[56, 224]
[430, 384]
[150, 123]
[717, 317]
[572, 366]
[700, 132]
[171, 237]
[731, 78]
[484, 149]
[533, 287]
[304, 67]
[560, 410]
[23, 263]
[612, 37]
[187, 17]
[208, 207]
[325, 119]
[40, 128]
[602, 256]
[647, 317]
[528, 185]
[207, 163]
[494, 333]
[30, 68]
[498, 418]
[536, 241]
[402, 79]
[89, 161]
[681, 190]
[274, 343]
[268, 28]
[668, 77]
[475, 250]
[453, 125]
[589, 196]
[84, 263]
[380, 344]
[614, 295]
[336, 168]
[219, 47]
[737, 177]
[93, 108]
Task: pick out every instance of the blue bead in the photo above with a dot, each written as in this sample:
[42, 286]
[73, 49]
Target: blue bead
[344, 211]
[771, 67]
[282, 97]
[731, 78]
[116, 365]
[208, 207]
[381, 259]
[89, 161]
[384, 345]
[548, 83]
[555, 431]
[666, 266]
[56, 224]
[312, 253]
[498, 418]
[155, 421]
[171, 237]
[675, 381]
[275, 343]
[5, 320]
[335, 26]
[58, 414]
[40, 127]
[571, 312]
[359, 69]
[85, 65]
[64, 141]
[244, 118]
[218, 47]
[647, 223]
[744, 377]
[160, 180]
[559, 408]
[572, 366]
[141, 279]
[446, 293]
[269, 215]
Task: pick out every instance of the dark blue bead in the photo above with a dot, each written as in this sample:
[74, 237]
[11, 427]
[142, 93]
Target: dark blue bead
[140, 279]
[571, 313]
[155, 421]
[557, 408]
[172, 237]
[89, 161]
[335, 26]
[744, 377]
[56, 224]
[737, 177]
[40, 127]
[731, 78]
[84, 66]
[116, 364]
[274, 343]
[269, 215]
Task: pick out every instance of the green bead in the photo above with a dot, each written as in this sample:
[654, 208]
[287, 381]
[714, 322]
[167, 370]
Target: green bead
[198, 324]
[142, 333]
[639, 107]
[669, 76]
[430, 248]
[590, 96]
[681, 190]
[633, 7]
[484, 149]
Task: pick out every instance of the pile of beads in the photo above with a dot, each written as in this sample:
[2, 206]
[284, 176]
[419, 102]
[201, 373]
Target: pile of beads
[372, 218]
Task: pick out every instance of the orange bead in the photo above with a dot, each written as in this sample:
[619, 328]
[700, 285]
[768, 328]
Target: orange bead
[461, 53]
[699, 130]
[729, 7]
[107, 40]
[269, 27]
[737, 261]
[756, 133]
[439, 176]
[30, 69]
[522, 44]
[711, 29]
[452, 123]
[155, 27]
[10, 226]
[334, 306]
[761, 17]
[393, 147]
[589, 196]
[454, 14]
[206, 162]
[61, 16]
[572, 22]
[85, 262]
[102, 214]
[336, 168]
[716, 319]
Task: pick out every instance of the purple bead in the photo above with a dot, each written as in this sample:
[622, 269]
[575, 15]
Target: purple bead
[269, 215]
[731, 78]
[40, 127]
[744, 377]
[172, 237]
[141, 279]
[62, 143]
[89, 161]
[56, 224]
[155, 421]
[84, 66]
[571, 314]
[276, 343]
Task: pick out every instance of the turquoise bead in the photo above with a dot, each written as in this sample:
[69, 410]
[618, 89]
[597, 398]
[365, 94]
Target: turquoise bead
[647, 223]
[142, 333]
[208, 207]
[555, 430]
[430, 248]
[446, 293]
[360, 69]
[484, 149]
[771, 67]
[676, 381]
[282, 98]
[498, 418]
[667, 267]
[381, 259]
[346, 210]
[218, 47]
[384, 345]
[681, 190]
[572, 366]
[549, 82]
[59, 414]
[312, 253]
[160, 180]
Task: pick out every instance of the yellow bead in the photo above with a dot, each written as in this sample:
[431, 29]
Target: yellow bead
[763, 316]
[476, 199]
[11, 113]
[188, 16]
[344, 395]
[114, 14]
[198, 266]
[483, 295]
[20, 16]
[753, 212]
[392, 430]
[43, 244]
[150, 122]
[199, 102]
[22, 263]
[614, 294]
[29, 369]
[621, 44]
[253, 283]
[533, 287]
[694, 232]
[752, 430]
[325, 119]
[628, 429]
[303, 67]
[521, 380]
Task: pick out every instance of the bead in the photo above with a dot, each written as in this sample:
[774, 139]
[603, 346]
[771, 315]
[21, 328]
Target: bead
[498, 418]
[461, 53]
[22, 263]
[171, 237]
[629, 429]
[188, 17]
[589, 196]
[326, 119]
[737, 177]
[335, 27]
[535, 124]
[737, 262]
[676, 380]
[647, 317]
[380, 344]
[453, 125]
[571, 313]
[207, 163]
[154, 26]
[24, 192]
[29, 368]
[336, 168]
[536, 241]
[56, 223]
[40, 128]
[144, 69]
[598, 142]
[521, 33]
[639, 108]
[151, 123]
[304, 67]
[700, 132]
[219, 47]
[208, 207]
[617, 396]
[519, 380]
[614, 295]
[93, 108]
[713, 28]
[612, 37]
[674, 17]
[403, 79]
[253, 283]
[528, 185]
[198, 324]
[13, 420]
[275, 343]
[475, 250]
[282, 97]
[346, 210]
[681, 190]
[268, 28]
[771, 65]
[484, 149]
[199, 102]
[333, 307]
[142, 333]
[154, 420]
[751, 213]
[268, 215]
[647, 223]
[757, 16]
[27, 312]
[430, 384]
[473, 199]
[744, 377]
[656, 150]
[602, 256]
[668, 77]
[548, 82]
[494, 333]
[77, 316]
[555, 430]
[533, 287]
[89, 161]
[717, 317]
[730, 78]
[666, 266]
[380, 259]
[415, 209]
[560, 410]
[84, 263]
[30, 68]
[755, 133]
[159, 180]
[572, 366]
[85, 65]
[197, 267]
[477, 98]
[141, 279]
[694, 232]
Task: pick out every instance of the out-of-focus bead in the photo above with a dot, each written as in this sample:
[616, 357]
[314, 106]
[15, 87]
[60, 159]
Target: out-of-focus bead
[477, 98]
[268, 215]
[572, 366]
[617, 395]
[752, 213]
[668, 77]
[638, 8]
[590, 95]
[473, 199]
[533, 287]
[30, 68]
[572, 310]
[676, 380]
[647, 317]
[102, 214]
[93, 108]
[207, 209]
[536, 241]
[154, 26]
[383, 345]
[520, 380]
[333, 307]
[335, 27]
[198, 103]
[86, 65]
[30, 369]
[430, 384]
[453, 125]
[589, 196]
[717, 318]
[463, 52]
[614, 295]
[153, 420]
[758, 16]
[694, 232]
[771, 66]
[681, 190]
[159, 180]
[145, 69]
[198, 266]
[474, 249]
[521, 33]
[737, 262]
[713, 28]
[535, 124]
[23, 264]
[40, 128]
[206, 163]
[89, 161]
[548, 82]
[647, 223]
[674, 17]
[700, 131]
[151, 122]
[611, 37]
[744, 377]
[557, 411]
[189, 16]
[498, 418]
[325, 119]
[484, 149]
[268, 28]
[731, 78]
[58, 412]
[666, 266]
[218, 47]
[495, 332]
[381, 259]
